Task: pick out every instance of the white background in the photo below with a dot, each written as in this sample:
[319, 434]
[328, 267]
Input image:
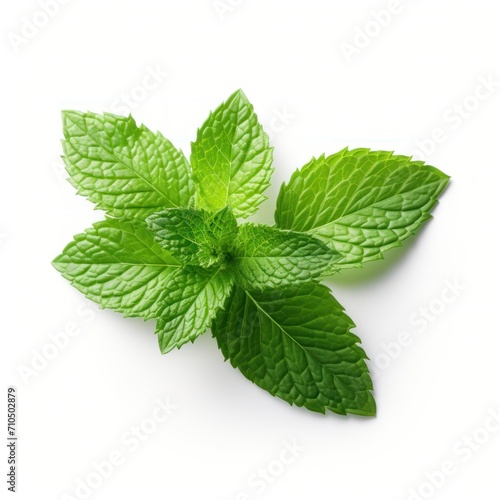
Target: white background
[411, 77]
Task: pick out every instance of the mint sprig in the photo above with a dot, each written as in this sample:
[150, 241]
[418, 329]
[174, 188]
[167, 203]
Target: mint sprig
[170, 247]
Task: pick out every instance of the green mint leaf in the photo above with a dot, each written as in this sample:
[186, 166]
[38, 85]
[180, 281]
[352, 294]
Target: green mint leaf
[189, 305]
[266, 257]
[172, 250]
[231, 158]
[195, 237]
[296, 343]
[125, 169]
[360, 202]
[117, 264]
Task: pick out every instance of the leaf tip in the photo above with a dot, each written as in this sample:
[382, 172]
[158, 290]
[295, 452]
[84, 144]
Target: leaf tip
[239, 94]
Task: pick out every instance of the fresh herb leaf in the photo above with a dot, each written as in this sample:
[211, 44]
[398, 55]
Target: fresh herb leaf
[266, 257]
[231, 158]
[117, 264]
[189, 305]
[125, 169]
[172, 249]
[296, 344]
[360, 202]
[195, 237]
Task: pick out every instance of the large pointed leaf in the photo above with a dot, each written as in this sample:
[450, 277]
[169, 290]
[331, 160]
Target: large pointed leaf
[124, 168]
[118, 264]
[297, 344]
[231, 158]
[360, 202]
